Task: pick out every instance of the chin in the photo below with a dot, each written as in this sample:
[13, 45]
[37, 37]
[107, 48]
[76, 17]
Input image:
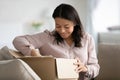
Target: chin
[64, 37]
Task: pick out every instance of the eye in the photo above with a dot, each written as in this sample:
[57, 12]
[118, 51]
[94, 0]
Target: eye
[66, 26]
[58, 26]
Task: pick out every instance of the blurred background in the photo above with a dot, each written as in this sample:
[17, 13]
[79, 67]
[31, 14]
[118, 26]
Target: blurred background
[19, 17]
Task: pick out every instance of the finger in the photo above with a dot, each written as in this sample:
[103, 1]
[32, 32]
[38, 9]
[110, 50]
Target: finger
[76, 64]
[34, 52]
[78, 69]
[78, 60]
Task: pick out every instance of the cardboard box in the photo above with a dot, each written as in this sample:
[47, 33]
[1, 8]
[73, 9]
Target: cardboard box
[50, 68]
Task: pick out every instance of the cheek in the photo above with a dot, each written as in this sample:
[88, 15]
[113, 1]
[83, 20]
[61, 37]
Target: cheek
[71, 29]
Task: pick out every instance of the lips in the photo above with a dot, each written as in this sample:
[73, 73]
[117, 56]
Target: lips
[63, 35]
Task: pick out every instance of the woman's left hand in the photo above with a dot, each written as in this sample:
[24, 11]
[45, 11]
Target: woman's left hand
[80, 66]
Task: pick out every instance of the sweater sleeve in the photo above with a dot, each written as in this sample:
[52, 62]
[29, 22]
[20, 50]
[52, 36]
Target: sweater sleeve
[92, 64]
[23, 43]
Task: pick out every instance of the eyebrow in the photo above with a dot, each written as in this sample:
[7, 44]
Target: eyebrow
[64, 25]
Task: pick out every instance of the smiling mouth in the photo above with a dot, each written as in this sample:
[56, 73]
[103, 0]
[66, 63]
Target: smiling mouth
[62, 34]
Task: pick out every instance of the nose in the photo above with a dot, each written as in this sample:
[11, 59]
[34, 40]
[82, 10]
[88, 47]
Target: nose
[62, 30]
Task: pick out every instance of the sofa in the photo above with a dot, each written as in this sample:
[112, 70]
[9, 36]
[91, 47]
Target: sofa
[109, 56]
[15, 66]
[14, 69]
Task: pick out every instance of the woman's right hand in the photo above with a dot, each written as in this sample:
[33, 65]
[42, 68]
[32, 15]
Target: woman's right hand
[35, 52]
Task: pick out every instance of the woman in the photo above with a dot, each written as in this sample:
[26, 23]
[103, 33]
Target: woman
[68, 40]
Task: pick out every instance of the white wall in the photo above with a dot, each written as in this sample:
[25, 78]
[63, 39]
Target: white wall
[16, 15]
[106, 15]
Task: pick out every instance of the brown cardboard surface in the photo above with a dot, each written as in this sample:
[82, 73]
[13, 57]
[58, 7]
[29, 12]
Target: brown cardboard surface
[49, 68]
[43, 66]
[15, 54]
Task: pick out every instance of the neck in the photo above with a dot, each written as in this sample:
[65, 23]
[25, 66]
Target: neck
[69, 41]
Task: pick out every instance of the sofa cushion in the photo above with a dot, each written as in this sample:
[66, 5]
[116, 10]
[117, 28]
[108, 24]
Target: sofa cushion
[16, 69]
[5, 54]
[109, 60]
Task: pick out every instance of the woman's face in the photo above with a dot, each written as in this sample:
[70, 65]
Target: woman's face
[64, 27]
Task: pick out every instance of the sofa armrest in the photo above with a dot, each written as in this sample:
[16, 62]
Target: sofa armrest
[16, 69]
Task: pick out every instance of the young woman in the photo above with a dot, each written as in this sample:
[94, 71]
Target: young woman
[68, 40]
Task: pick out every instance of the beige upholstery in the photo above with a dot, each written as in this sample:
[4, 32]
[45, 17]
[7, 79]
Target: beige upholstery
[5, 54]
[16, 69]
[109, 60]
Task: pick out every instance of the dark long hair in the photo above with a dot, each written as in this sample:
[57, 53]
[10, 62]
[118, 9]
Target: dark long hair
[68, 12]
